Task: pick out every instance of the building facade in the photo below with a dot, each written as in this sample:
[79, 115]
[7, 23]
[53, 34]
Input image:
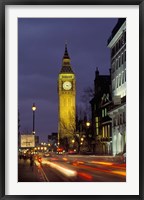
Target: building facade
[101, 122]
[67, 102]
[117, 45]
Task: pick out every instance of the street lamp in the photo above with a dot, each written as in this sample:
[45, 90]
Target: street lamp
[33, 109]
[73, 141]
[88, 124]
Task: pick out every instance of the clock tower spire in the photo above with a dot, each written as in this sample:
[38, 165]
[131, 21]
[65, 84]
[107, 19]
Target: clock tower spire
[66, 66]
[67, 101]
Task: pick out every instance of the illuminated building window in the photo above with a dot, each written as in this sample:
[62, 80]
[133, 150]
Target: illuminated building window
[97, 126]
[103, 132]
[102, 113]
[105, 112]
[109, 134]
[96, 119]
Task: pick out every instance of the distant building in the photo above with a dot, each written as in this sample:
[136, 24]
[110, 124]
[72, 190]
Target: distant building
[101, 122]
[117, 45]
[53, 141]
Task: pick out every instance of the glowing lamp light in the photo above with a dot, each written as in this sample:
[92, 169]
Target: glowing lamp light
[33, 107]
[87, 124]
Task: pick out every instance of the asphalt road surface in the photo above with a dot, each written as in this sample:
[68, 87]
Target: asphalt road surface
[71, 168]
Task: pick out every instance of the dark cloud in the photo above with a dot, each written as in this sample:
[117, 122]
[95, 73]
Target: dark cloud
[40, 50]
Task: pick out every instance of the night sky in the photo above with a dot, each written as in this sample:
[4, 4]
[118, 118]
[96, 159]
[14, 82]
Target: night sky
[41, 44]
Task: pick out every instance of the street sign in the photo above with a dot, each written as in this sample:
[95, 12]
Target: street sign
[27, 141]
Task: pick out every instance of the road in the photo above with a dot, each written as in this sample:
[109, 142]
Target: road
[75, 168]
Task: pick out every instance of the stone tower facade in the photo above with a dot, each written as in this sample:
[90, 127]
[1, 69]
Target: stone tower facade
[67, 100]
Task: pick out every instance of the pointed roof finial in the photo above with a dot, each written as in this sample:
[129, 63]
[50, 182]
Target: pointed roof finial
[66, 46]
[97, 71]
[66, 43]
[66, 51]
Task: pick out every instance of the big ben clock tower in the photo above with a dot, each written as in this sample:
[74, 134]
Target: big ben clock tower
[67, 100]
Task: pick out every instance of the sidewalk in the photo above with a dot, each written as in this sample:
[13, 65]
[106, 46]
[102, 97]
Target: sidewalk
[26, 174]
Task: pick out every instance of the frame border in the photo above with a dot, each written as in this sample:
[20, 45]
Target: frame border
[3, 3]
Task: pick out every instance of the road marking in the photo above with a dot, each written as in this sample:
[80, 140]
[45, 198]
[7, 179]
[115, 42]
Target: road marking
[44, 175]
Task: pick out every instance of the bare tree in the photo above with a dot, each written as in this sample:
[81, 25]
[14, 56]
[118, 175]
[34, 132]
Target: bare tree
[67, 131]
[88, 94]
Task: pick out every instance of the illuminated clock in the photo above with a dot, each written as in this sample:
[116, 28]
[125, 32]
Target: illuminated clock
[67, 85]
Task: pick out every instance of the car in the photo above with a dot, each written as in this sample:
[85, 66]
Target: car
[60, 151]
[72, 151]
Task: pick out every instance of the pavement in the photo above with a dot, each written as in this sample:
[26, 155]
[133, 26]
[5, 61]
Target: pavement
[26, 173]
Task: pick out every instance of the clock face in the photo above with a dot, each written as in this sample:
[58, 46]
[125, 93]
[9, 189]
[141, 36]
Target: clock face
[67, 85]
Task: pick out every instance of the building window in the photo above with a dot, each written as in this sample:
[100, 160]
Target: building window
[103, 131]
[125, 56]
[122, 58]
[121, 119]
[119, 61]
[119, 80]
[116, 63]
[113, 84]
[106, 131]
[114, 122]
[97, 125]
[125, 75]
[105, 112]
[113, 67]
[122, 77]
[102, 113]
[124, 117]
[109, 131]
[96, 119]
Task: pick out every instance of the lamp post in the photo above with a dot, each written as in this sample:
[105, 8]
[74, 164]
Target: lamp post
[33, 109]
[88, 134]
